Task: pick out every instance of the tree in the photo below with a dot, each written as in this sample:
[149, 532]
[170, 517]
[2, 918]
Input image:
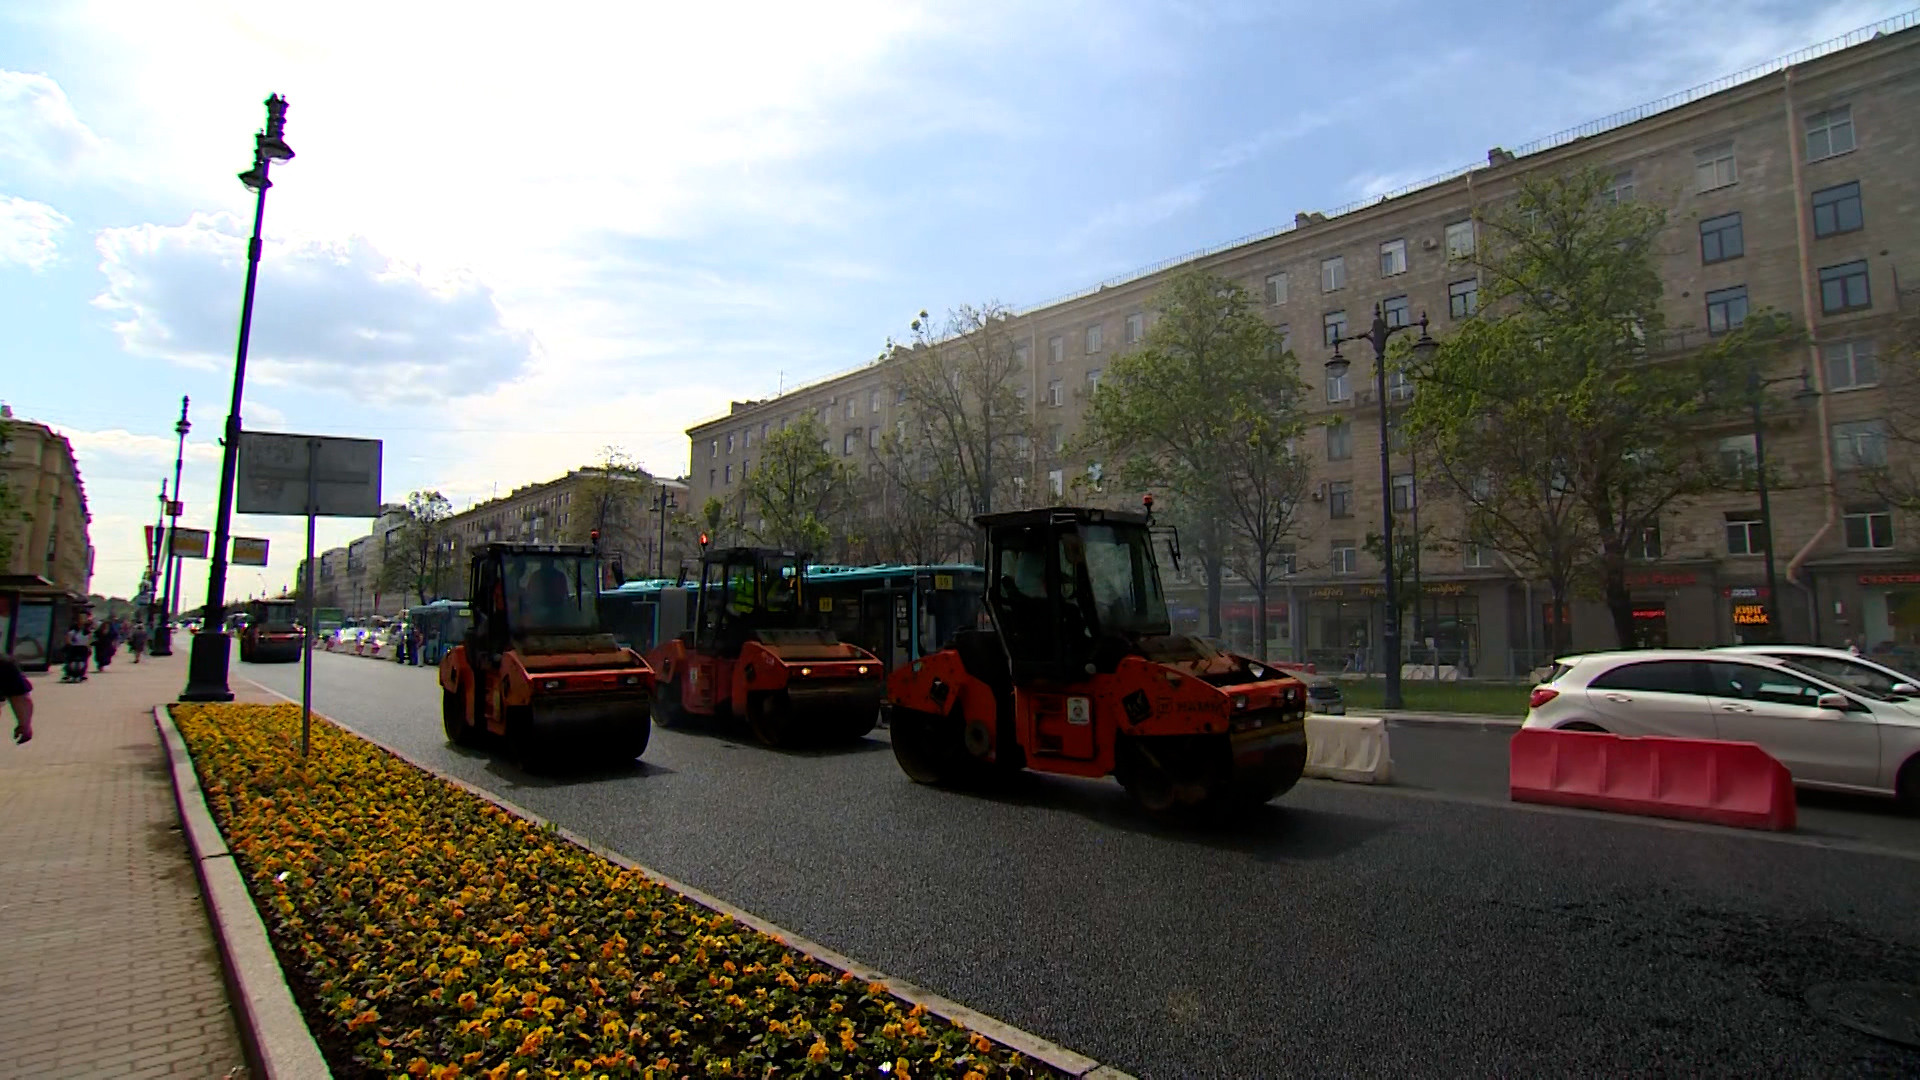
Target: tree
[1898, 481]
[1209, 409]
[796, 490]
[898, 524]
[612, 498]
[416, 561]
[1559, 409]
[964, 442]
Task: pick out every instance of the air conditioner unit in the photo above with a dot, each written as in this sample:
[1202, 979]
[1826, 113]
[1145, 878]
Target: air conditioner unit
[1429, 244]
[1320, 492]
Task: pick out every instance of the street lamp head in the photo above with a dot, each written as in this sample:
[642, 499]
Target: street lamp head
[273, 147]
[1425, 347]
[256, 178]
[1337, 365]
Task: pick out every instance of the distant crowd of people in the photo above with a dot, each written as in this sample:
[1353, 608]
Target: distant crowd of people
[99, 640]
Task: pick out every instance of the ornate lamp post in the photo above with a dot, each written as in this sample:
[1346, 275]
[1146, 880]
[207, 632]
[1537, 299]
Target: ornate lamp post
[207, 665]
[663, 505]
[1377, 336]
[169, 607]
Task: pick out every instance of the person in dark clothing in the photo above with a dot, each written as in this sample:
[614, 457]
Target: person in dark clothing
[102, 645]
[16, 691]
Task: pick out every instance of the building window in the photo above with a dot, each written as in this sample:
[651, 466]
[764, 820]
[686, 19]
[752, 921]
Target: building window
[1340, 387]
[873, 437]
[1136, 327]
[748, 437]
[1463, 298]
[746, 469]
[1093, 339]
[826, 415]
[1860, 444]
[1399, 386]
[713, 448]
[1093, 380]
[1646, 546]
[1333, 273]
[1056, 349]
[1726, 309]
[1283, 341]
[1869, 528]
[1477, 556]
[729, 442]
[1830, 133]
[852, 405]
[1721, 239]
[873, 401]
[1339, 441]
[1056, 438]
[1619, 189]
[848, 441]
[729, 474]
[1737, 457]
[1850, 365]
[1745, 534]
[1346, 557]
[1340, 499]
[1277, 288]
[1460, 239]
[1393, 258]
[1054, 393]
[1403, 493]
[1057, 482]
[1021, 354]
[1844, 288]
[1713, 167]
[1838, 210]
[1396, 310]
[713, 478]
[1333, 326]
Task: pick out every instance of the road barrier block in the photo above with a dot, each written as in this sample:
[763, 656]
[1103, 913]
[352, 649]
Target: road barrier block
[1351, 748]
[1726, 783]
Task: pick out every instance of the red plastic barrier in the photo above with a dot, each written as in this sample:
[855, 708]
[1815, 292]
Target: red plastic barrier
[1727, 783]
[1290, 665]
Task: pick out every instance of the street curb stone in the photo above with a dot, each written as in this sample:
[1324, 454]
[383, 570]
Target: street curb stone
[1023, 1042]
[278, 1043]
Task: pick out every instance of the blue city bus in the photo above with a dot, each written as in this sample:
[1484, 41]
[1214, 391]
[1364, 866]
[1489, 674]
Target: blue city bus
[899, 613]
[442, 625]
[642, 614]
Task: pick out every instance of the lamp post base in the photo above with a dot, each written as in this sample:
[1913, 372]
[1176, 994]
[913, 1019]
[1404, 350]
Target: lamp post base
[207, 667]
[162, 643]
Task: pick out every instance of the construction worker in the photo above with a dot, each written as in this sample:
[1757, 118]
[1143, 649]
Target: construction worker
[740, 589]
[547, 602]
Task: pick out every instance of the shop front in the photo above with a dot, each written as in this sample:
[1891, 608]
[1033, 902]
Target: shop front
[1440, 627]
[1888, 618]
[1750, 614]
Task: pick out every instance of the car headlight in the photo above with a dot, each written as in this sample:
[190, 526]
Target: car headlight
[806, 671]
[551, 684]
[863, 669]
[631, 680]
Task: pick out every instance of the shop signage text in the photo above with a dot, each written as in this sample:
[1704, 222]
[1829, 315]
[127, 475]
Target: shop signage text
[1659, 578]
[1890, 579]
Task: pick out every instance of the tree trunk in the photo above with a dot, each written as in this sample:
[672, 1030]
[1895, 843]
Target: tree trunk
[1212, 566]
[1557, 626]
[1260, 614]
[1613, 565]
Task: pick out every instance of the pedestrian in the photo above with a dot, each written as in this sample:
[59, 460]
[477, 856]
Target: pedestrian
[137, 640]
[102, 645]
[415, 639]
[76, 658]
[18, 693]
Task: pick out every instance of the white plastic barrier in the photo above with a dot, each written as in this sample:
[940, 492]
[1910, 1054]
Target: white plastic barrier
[1351, 748]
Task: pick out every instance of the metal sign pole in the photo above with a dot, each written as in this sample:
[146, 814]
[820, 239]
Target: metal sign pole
[307, 588]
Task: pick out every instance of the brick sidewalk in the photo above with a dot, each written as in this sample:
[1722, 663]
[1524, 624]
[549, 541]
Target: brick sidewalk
[108, 966]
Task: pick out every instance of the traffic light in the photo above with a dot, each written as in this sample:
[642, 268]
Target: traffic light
[703, 543]
[594, 536]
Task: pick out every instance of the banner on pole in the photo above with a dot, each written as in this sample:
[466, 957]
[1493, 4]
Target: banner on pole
[249, 551]
[190, 543]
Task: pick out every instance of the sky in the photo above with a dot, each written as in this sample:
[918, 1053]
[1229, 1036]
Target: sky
[513, 238]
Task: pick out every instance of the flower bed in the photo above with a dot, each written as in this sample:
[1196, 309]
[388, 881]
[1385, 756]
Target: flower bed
[428, 932]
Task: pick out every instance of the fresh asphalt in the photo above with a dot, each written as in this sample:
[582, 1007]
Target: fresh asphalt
[1426, 929]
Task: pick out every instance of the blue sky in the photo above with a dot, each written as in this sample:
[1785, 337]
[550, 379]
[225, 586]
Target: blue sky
[510, 240]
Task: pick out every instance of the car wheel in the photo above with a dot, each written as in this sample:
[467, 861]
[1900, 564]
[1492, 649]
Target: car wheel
[1582, 725]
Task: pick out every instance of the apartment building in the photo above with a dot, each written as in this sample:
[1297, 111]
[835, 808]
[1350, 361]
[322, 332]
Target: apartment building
[1792, 187]
[50, 569]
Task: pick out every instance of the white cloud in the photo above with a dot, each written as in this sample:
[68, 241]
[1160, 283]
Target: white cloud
[29, 232]
[337, 316]
[38, 127]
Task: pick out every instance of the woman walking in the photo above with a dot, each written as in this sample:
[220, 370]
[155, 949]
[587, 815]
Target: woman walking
[137, 640]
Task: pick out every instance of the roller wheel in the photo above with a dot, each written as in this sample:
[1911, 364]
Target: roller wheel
[858, 726]
[930, 749]
[667, 710]
[453, 717]
[521, 741]
[771, 718]
[630, 745]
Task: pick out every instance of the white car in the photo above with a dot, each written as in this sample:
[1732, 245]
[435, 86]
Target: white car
[1844, 667]
[1828, 734]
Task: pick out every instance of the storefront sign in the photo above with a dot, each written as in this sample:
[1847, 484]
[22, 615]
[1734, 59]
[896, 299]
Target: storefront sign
[1650, 613]
[1653, 578]
[1744, 592]
[1328, 592]
[1890, 579]
[1750, 615]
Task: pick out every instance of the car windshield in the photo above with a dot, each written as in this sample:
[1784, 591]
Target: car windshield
[1851, 686]
[550, 594]
[1120, 572]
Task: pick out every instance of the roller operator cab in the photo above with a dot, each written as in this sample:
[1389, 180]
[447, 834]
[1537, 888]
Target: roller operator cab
[534, 666]
[271, 633]
[760, 651]
[1082, 675]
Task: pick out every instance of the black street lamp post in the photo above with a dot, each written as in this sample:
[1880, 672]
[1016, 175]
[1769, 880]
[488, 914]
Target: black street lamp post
[1377, 336]
[163, 633]
[663, 504]
[156, 598]
[1756, 394]
[207, 664]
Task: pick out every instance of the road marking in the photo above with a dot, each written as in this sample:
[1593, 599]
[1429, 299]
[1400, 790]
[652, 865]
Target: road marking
[1797, 839]
[1018, 1039]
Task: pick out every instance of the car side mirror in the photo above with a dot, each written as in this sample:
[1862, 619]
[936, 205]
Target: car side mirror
[1905, 689]
[1836, 702]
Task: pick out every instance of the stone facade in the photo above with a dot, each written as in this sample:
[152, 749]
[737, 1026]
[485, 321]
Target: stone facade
[1767, 150]
[50, 542]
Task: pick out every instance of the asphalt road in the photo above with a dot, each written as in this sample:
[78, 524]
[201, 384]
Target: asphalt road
[1421, 930]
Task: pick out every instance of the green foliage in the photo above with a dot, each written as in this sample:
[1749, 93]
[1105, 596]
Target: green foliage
[796, 490]
[612, 498]
[1209, 410]
[1561, 412]
[1899, 482]
[416, 562]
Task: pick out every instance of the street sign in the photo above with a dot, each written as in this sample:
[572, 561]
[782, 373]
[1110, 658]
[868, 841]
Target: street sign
[248, 551]
[190, 543]
[176, 508]
[273, 475]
